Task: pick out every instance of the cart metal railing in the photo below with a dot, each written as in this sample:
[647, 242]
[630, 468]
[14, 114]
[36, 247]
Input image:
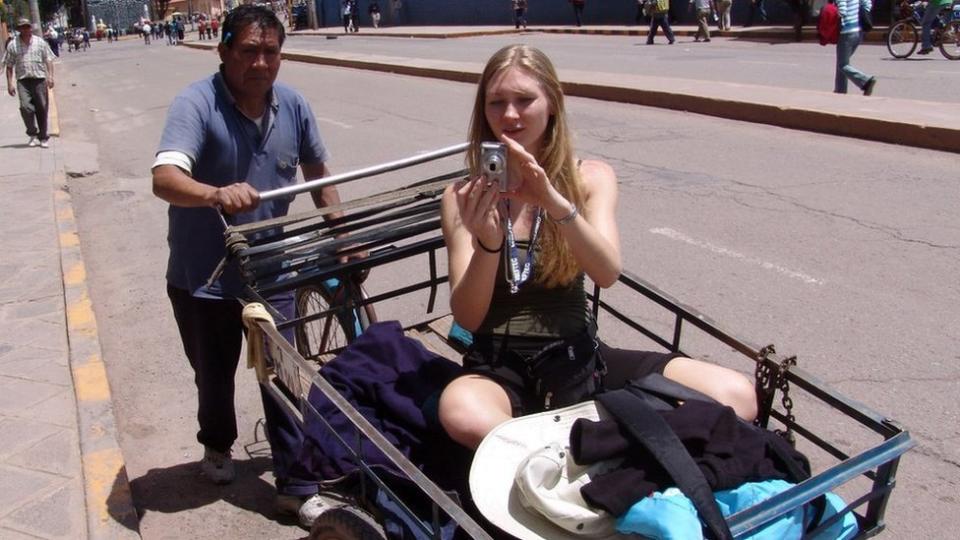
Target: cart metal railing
[313, 247]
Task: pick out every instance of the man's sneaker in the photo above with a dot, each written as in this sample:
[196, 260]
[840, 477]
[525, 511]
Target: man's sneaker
[868, 88]
[33, 142]
[216, 466]
[925, 51]
[45, 143]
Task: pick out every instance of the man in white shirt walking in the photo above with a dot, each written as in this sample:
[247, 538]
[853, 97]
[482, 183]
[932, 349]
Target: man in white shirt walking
[31, 60]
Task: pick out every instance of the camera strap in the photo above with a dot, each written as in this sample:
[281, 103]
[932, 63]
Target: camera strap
[515, 275]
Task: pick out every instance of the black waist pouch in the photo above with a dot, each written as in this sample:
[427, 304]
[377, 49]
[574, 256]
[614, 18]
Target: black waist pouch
[566, 371]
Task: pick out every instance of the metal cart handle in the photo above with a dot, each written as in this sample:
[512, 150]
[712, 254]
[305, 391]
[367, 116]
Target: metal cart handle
[319, 183]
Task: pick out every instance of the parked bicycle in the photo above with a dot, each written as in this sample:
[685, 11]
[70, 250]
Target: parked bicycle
[903, 37]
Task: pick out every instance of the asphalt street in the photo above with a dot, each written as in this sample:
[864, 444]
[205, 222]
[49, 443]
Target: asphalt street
[841, 251]
[779, 63]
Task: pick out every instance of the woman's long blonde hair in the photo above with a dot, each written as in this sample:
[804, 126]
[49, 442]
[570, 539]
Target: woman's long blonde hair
[556, 266]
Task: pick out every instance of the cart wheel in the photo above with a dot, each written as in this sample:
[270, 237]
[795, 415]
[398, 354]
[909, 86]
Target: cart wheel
[950, 40]
[335, 330]
[902, 39]
[346, 523]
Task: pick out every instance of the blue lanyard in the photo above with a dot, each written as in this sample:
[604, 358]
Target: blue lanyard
[515, 275]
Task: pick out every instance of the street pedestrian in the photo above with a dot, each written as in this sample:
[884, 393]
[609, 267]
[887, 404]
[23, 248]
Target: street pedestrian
[724, 7]
[209, 29]
[926, 24]
[355, 16]
[53, 40]
[202, 30]
[850, 38]
[578, 6]
[347, 16]
[520, 14]
[756, 8]
[800, 9]
[228, 137]
[29, 66]
[180, 30]
[146, 29]
[659, 17]
[559, 216]
[215, 26]
[396, 10]
[374, 11]
[704, 9]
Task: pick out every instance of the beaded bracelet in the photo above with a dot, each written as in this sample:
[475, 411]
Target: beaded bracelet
[488, 250]
[574, 212]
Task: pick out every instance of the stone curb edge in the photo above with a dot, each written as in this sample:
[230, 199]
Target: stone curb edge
[807, 119]
[109, 501]
[53, 116]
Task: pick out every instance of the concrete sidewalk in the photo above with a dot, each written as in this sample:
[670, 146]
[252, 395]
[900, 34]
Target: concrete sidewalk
[62, 471]
[921, 124]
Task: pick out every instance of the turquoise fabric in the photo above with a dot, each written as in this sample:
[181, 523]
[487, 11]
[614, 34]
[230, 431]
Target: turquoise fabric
[460, 335]
[669, 515]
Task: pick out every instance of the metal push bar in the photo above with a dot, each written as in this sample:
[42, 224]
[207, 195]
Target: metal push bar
[319, 183]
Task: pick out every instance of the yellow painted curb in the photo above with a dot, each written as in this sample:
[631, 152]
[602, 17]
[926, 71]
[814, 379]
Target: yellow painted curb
[90, 381]
[111, 513]
[80, 317]
[77, 273]
[100, 470]
[53, 115]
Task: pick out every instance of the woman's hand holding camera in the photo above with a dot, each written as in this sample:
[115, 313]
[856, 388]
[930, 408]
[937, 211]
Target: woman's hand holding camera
[534, 187]
[477, 200]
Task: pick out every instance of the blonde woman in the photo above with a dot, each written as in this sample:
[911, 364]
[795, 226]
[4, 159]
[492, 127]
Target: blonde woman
[517, 262]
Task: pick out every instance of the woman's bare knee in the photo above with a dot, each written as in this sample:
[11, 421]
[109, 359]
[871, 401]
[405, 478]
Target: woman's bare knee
[722, 384]
[470, 407]
[739, 393]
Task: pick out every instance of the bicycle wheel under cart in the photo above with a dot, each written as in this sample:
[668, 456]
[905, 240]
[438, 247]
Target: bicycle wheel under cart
[902, 39]
[331, 321]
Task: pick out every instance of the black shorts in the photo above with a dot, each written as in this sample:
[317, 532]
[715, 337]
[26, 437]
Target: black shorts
[622, 365]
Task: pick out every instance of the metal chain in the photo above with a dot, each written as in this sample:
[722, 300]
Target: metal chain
[784, 385]
[762, 376]
[768, 382]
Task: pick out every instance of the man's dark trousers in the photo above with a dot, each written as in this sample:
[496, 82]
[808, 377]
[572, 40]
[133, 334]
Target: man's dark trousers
[211, 331]
[33, 106]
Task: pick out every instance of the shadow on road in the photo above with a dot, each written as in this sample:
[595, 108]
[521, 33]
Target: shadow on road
[181, 487]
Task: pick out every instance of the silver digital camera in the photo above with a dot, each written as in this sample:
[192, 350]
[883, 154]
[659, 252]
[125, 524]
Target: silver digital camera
[493, 160]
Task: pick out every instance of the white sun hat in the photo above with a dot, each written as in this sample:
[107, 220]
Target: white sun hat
[524, 480]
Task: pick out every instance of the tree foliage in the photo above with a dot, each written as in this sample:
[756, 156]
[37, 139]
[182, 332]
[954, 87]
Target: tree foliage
[11, 10]
[160, 8]
[49, 8]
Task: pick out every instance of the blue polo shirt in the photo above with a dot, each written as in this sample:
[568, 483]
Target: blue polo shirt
[226, 147]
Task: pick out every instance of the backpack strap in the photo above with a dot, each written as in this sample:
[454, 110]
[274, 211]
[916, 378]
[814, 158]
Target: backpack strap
[646, 426]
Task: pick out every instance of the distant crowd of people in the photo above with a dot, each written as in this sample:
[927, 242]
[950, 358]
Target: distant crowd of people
[350, 14]
[175, 29]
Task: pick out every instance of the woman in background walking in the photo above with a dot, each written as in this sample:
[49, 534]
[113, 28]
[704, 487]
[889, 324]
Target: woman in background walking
[847, 45]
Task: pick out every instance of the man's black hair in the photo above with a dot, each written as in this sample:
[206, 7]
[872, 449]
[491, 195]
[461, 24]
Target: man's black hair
[245, 15]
